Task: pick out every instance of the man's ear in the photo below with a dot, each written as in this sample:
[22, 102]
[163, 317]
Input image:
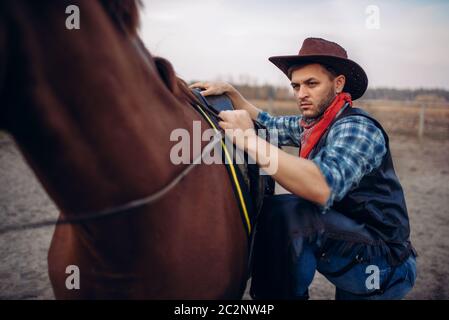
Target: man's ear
[339, 83]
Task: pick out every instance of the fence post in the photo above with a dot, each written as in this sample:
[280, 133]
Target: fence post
[271, 97]
[421, 121]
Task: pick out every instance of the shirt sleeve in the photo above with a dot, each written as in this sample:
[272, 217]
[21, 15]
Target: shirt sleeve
[354, 147]
[285, 128]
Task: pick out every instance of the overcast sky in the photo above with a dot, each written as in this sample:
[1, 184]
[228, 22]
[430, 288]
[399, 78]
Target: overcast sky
[232, 39]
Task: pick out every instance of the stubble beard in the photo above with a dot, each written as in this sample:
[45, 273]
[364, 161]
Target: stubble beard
[324, 103]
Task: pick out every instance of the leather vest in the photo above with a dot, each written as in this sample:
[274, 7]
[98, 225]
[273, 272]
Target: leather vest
[378, 200]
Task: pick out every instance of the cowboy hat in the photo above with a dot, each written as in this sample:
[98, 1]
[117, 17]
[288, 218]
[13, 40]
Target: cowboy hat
[317, 50]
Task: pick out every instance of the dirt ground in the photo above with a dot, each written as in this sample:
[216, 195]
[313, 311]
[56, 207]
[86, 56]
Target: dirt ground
[423, 169]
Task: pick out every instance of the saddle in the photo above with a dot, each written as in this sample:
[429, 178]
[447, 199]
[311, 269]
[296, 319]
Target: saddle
[253, 185]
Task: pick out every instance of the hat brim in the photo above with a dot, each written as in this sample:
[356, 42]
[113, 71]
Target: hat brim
[356, 78]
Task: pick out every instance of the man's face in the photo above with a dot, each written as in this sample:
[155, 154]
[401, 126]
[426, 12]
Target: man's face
[314, 89]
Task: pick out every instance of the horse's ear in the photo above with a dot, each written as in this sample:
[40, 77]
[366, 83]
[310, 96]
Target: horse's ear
[167, 73]
[124, 13]
[176, 85]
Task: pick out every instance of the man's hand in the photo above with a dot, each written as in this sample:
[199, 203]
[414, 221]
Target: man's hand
[218, 88]
[213, 88]
[238, 126]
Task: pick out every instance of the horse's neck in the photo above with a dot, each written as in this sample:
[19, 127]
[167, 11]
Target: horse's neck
[94, 121]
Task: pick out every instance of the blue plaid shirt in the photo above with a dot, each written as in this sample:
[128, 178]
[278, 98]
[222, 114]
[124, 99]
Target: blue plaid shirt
[354, 147]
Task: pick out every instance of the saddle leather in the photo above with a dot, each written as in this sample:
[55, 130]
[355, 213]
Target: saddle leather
[257, 185]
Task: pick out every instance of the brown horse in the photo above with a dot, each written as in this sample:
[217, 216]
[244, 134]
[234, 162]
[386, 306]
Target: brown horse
[93, 119]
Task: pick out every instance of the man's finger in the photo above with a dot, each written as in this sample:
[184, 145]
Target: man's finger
[225, 115]
[224, 125]
[208, 92]
[198, 85]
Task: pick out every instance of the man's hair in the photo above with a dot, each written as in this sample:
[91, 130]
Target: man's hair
[331, 72]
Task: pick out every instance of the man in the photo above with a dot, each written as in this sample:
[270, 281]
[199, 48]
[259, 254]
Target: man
[345, 192]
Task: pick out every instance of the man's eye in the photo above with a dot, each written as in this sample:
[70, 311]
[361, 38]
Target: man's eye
[312, 83]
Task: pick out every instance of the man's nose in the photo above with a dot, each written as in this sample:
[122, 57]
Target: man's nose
[302, 93]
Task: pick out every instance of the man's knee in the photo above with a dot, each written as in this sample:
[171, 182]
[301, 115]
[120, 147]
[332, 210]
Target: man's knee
[369, 280]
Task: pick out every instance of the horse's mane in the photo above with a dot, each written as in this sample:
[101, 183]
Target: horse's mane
[124, 14]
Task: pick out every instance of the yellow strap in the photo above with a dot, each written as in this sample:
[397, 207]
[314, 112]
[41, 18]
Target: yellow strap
[234, 175]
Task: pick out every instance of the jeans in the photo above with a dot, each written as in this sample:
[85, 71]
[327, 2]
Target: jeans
[359, 282]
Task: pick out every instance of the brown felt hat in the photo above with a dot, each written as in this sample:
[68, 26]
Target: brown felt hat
[317, 50]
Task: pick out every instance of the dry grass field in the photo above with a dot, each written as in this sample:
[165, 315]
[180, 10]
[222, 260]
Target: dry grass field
[397, 117]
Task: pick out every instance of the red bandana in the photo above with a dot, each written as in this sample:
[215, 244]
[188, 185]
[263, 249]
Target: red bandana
[314, 131]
